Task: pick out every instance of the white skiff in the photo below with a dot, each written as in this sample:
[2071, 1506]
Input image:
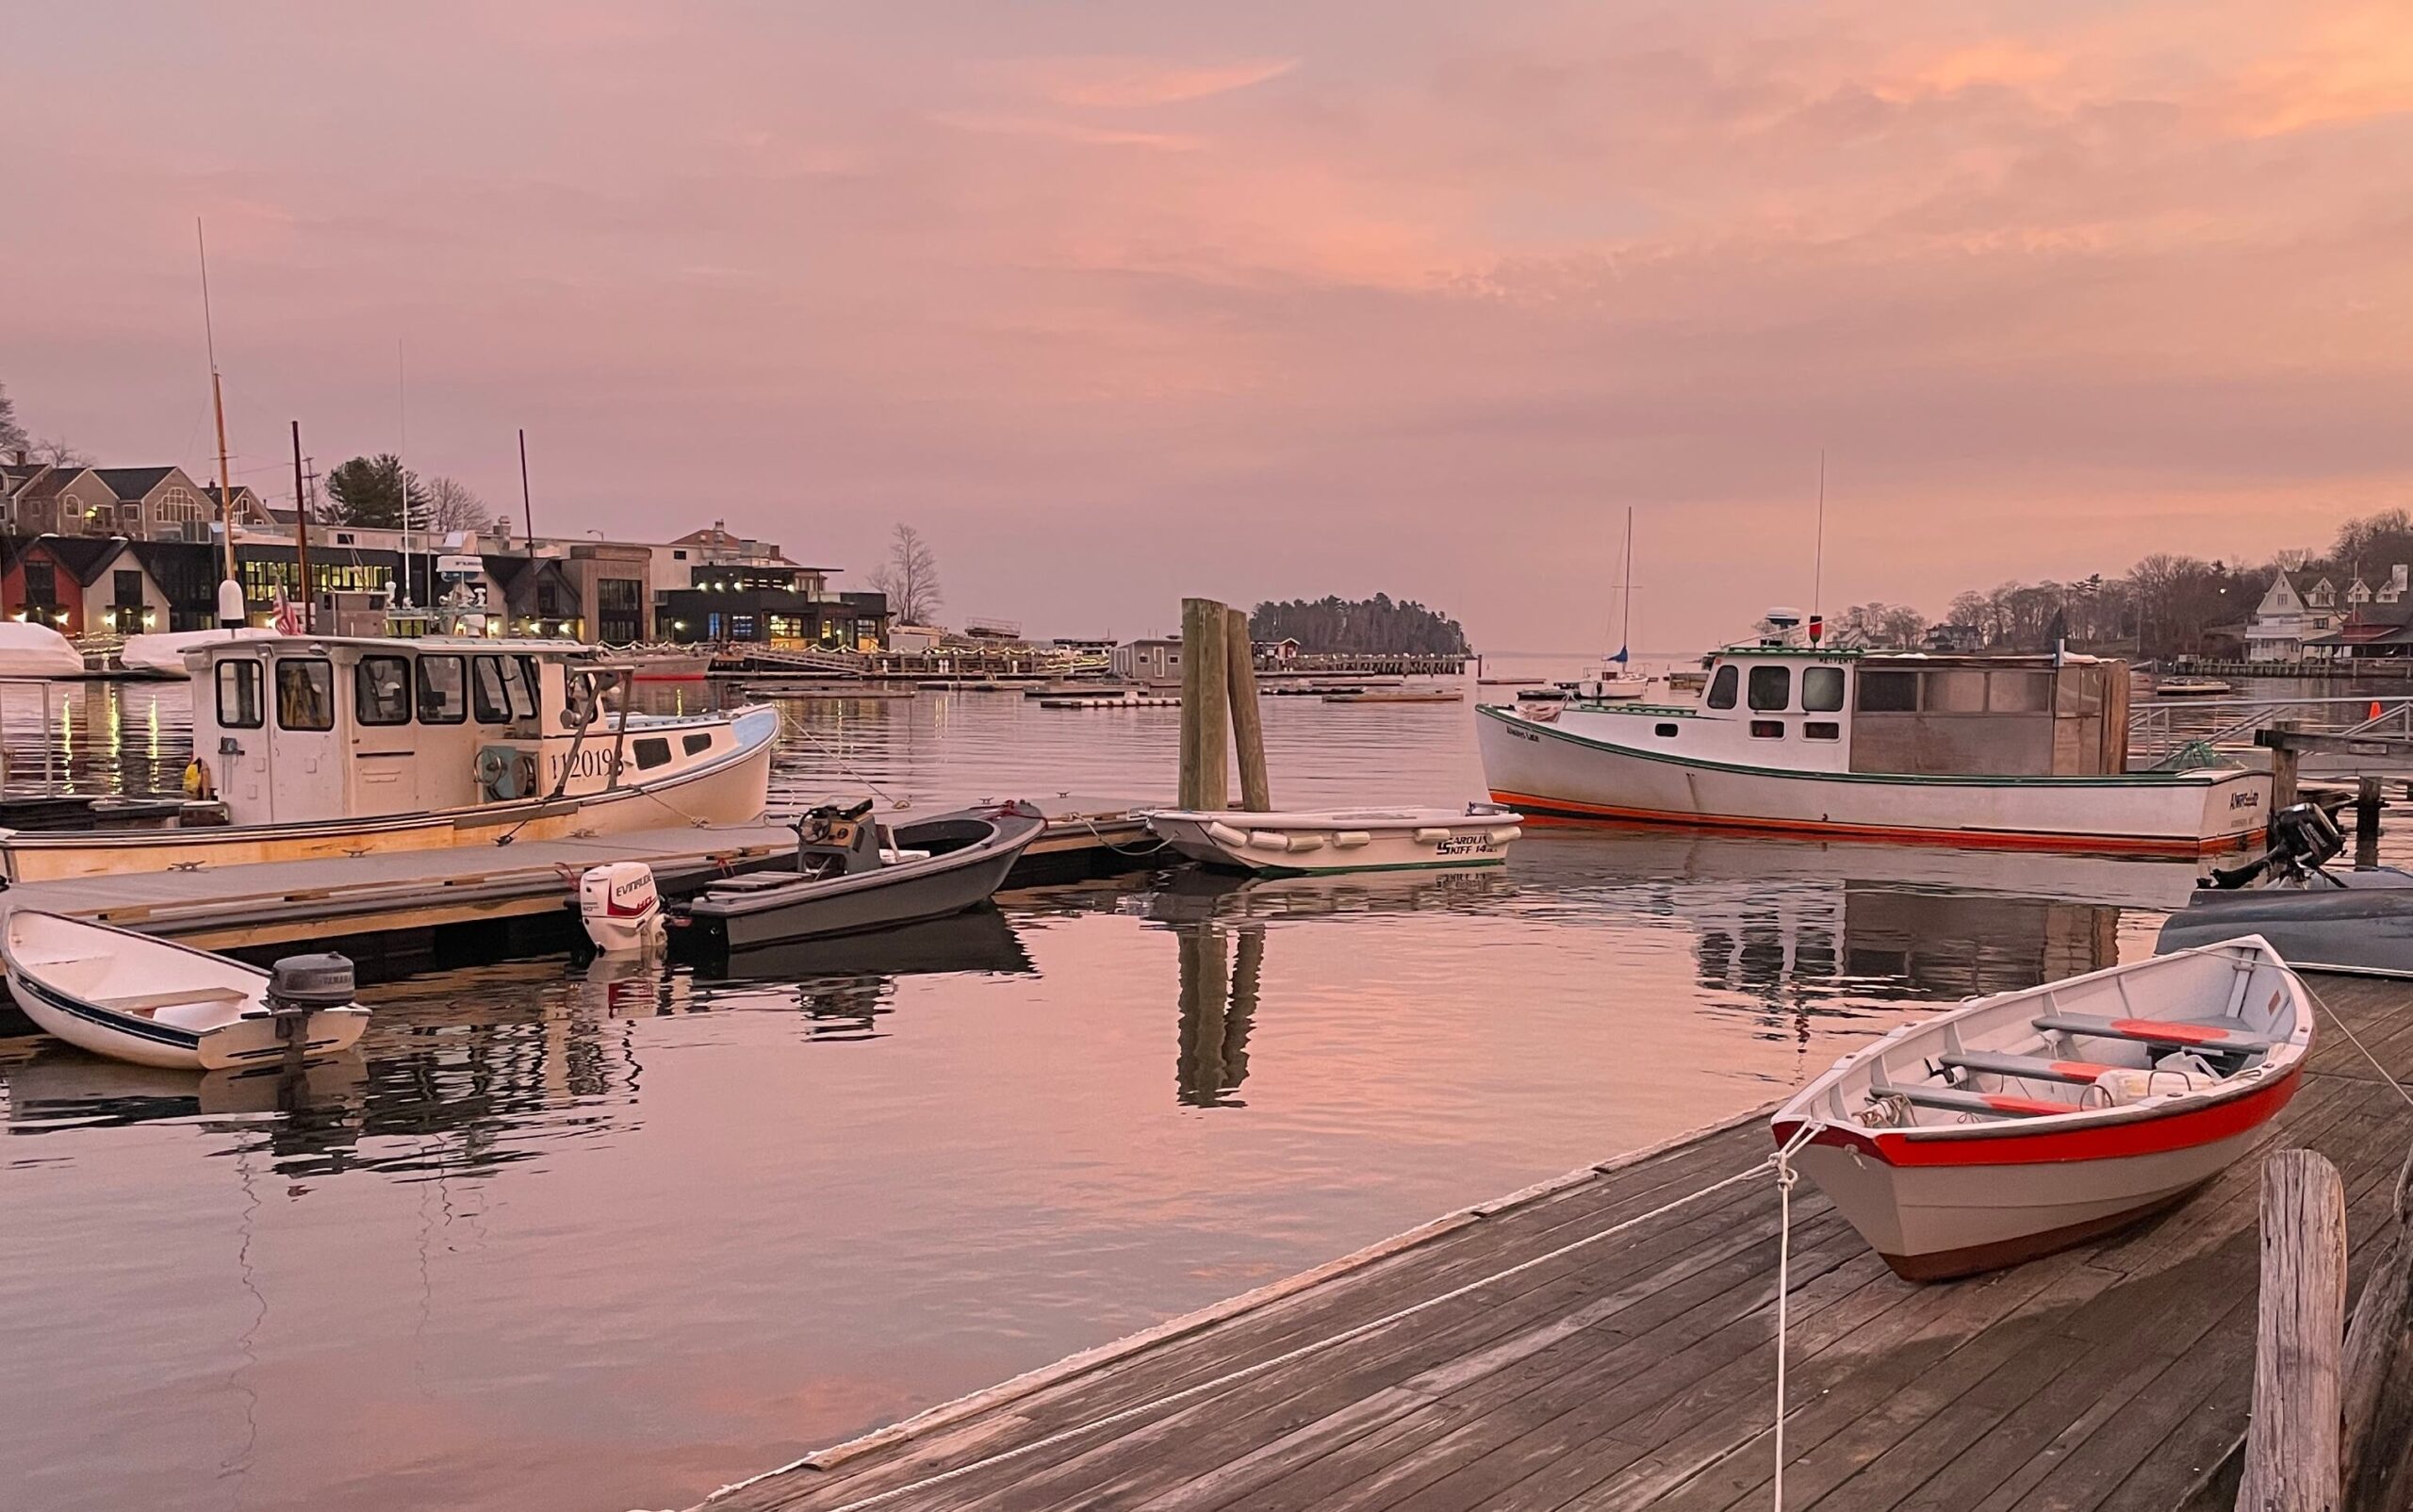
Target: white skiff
[2027, 1122]
[155, 1003]
[1340, 840]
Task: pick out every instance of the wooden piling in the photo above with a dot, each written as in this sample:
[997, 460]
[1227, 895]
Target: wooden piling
[2367, 800]
[2376, 1389]
[2292, 1443]
[1206, 699]
[1247, 723]
[2284, 760]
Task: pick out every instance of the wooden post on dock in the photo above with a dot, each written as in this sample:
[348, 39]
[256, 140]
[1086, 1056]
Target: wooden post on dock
[2292, 1443]
[2284, 760]
[1206, 698]
[2367, 801]
[2376, 1392]
[1248, 720]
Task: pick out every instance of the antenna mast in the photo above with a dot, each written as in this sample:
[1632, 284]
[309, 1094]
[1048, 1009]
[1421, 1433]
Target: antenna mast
[230, 592]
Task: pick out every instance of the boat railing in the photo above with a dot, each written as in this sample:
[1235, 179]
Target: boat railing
[2159, 729]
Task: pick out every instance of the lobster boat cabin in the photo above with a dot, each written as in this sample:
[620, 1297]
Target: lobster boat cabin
[323, 746]
[1987, 750]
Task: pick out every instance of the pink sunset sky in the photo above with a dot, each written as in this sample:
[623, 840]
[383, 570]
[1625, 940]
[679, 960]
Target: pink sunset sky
[1406, 297]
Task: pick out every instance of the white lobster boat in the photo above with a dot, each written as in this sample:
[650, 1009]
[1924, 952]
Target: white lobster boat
[2031, 1121]
[311, 746]
[1340, 840]
[2019, 751]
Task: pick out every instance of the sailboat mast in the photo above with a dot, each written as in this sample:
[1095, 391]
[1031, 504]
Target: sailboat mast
[1625, 627]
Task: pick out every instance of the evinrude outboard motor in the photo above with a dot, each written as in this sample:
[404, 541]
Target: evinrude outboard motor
[303, 983]
[620, 906]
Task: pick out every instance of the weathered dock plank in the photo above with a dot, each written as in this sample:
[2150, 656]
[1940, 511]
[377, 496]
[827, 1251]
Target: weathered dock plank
[1588, 1345]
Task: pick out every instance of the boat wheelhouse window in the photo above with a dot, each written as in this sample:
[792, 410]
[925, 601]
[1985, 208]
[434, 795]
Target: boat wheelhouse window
[503, 688]
[380, 690]
[239, 696]
[1721, 688]
[1821, 729]
[1822, 689]
[650, 752]
[1771, 687]
[1767, 729]
[2019, 691]
[1953, 692]
[696, 745]
[305, 693]
[1665, 731]
[1889, 692]
[443, 690]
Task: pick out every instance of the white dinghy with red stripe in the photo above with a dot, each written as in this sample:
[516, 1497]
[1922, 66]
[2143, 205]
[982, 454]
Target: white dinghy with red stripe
[2023, 1122]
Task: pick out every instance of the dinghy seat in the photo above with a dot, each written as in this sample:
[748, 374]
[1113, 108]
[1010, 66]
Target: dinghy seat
[147, 1005]
[2078, 1073]
[2158, 1031]
[1989, 1104]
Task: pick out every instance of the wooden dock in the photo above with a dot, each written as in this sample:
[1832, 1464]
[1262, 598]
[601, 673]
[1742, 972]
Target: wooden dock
[1637, 1370]
[358, 899]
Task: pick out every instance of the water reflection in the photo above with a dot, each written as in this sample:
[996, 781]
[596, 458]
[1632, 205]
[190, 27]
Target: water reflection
[1219, 993]
[843, 987]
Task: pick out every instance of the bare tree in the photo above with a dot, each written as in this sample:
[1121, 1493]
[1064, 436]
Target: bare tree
[12, 435]
[59, 455]
[453, 505]
[909, 578]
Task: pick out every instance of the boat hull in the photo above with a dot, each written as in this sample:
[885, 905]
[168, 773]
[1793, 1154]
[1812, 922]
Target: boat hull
[945, 884]
[733, 791]
[2363, 928]
[1544, 770]
[1308, 845]
[1987, 1205]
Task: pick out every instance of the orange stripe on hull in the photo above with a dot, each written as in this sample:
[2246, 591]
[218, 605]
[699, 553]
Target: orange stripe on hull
[1536, 808]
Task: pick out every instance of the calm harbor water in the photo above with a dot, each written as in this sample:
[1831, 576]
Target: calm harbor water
[559, 1238]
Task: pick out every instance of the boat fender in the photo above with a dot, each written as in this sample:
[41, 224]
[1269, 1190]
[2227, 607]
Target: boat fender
[1502, 837]
[1224, 834]
[1269, 840]
[1306, 842]
[197, 784]
[1350, 840]
[1431, 836]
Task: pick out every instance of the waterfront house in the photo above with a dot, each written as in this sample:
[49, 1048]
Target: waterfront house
[1155, 662]
[2372, 631]
[2283, 622]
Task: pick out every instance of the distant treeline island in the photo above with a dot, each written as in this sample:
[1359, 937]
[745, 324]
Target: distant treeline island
[1376, 626]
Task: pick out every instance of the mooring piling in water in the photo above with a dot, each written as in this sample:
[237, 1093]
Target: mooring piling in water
[1219, 708]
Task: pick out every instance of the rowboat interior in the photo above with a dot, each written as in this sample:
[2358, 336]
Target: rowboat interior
[203, 991]
[2110, 1040]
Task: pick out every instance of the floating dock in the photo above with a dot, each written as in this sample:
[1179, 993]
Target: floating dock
[397, 903]
[1416, 696]
[1599, 1341]
[1127, 700]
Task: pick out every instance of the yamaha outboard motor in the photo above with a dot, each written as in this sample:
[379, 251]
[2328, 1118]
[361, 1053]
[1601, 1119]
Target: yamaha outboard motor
[307, 982]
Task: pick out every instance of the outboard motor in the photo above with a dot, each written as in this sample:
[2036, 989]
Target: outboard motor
[305, 984]
[2302, 837]
[620, 906]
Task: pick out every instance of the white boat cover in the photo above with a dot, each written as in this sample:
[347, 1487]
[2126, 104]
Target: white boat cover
[35, 650]
[163, 655]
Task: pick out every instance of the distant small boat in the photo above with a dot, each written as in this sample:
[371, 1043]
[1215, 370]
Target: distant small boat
[850, 875]
[1615, 687]
[1340, 840]
[2027, 1122]
[156, 1003]
[163, 655]
[1542, 696]
[2192, 687]
[1508, 682]
[658, 664]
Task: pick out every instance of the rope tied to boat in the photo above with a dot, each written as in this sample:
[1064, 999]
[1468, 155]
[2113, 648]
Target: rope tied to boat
[1779, 1162]
[1785, 1177]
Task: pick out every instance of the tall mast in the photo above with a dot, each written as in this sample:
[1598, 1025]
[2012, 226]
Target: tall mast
[302, 534]
[1625, 629]
[230, 604]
